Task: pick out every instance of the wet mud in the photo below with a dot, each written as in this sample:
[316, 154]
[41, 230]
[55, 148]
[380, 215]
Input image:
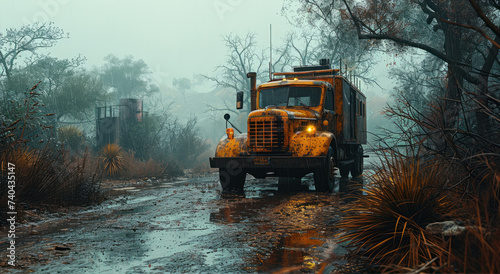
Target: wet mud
[189, 226]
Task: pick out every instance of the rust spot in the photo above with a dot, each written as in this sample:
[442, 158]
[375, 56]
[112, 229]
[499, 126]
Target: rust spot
[303, 144]
[232, 147]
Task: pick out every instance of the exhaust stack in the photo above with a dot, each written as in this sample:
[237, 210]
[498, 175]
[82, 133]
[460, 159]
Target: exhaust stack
[253, 90]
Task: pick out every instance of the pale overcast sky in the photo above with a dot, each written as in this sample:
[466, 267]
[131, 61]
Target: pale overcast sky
[175, 38]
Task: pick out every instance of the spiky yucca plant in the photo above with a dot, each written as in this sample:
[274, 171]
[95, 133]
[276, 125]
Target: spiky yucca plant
[72, 136]
[388, 223]
[112, 159]
[23, 157]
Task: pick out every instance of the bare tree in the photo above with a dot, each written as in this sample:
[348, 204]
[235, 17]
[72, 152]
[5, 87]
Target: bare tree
[463, 34]
[242, 58]
[296, 49]
[325, 35]
[27, 39]
[283, 57]
[305, 49]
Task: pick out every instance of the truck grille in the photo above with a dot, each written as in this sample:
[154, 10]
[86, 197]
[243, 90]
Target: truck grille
[266, 135]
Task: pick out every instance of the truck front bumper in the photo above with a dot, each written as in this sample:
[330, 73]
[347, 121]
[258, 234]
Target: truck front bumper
[267, 162]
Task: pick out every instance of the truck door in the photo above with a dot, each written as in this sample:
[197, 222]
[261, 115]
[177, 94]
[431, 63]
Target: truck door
[329, 111]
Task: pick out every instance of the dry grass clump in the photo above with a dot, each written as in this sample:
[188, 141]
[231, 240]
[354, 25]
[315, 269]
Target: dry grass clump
[23, 157]
[134, 168]
[118, 163]
[49, 176]
[478, 250]
[388, 223]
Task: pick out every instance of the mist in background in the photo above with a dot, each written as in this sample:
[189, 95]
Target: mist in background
[180, 42]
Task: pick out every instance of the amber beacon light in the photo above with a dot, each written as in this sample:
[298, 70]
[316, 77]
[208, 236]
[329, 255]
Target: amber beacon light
[230, 133]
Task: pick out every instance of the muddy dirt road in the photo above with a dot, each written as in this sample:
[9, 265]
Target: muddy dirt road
[187, 226]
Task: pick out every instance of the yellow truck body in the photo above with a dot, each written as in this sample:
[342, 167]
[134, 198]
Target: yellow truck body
[309, 120]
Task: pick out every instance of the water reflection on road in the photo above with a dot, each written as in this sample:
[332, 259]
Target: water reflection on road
[189, 227]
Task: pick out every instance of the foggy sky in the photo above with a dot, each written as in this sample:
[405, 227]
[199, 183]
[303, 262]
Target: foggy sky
[175, 38]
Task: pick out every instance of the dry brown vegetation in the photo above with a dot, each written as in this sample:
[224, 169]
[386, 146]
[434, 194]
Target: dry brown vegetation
[388, 224]
[135, 168]
[54, 172]
[46, 174]
[431, 173]
[120, 164]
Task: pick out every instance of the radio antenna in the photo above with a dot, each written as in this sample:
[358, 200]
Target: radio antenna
[270, 52]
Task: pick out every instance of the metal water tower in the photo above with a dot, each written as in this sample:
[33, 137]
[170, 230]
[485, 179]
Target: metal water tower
[107, 126]
[130, 110]
[130, 114]
[113, 122]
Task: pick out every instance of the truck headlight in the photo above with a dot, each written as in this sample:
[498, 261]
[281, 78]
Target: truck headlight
[311, 130]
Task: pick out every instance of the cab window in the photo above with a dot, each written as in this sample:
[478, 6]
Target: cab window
[290, 96]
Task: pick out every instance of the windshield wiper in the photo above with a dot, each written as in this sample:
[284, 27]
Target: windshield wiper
[303, 104]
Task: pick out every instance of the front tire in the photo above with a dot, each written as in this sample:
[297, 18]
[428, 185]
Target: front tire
[324, 177]
[232, 181]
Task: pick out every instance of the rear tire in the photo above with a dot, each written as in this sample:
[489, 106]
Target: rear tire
[232, 181]
[324, 177]
[357, 166]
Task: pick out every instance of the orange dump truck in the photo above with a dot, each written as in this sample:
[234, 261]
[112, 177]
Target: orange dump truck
[311, 120]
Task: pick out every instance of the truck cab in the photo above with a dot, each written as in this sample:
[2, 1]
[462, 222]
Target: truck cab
[311, 120]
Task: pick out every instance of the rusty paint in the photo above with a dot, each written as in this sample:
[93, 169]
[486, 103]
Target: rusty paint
[290, 113]
[304, 144]
[339, 106]
[232, 147]
[261, 121]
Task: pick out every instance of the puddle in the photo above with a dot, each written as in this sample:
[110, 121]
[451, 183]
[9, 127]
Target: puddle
[280, 231]
[293, 250]
[125, 188]
[133, 210]
[188, 227]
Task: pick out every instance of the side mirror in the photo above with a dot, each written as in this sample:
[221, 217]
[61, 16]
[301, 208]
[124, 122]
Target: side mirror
[239, 100]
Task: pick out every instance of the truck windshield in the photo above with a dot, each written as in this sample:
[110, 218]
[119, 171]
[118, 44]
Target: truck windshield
[290, 96]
